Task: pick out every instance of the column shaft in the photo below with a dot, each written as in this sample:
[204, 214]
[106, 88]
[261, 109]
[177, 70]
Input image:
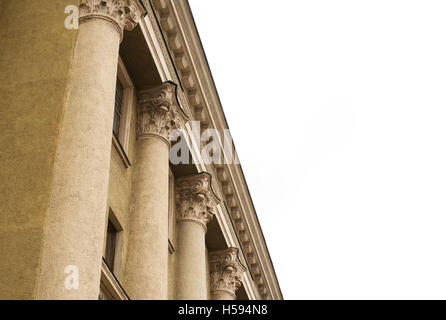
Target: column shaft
[148, 238]
[76, 216]
[222, 295]
[191, 281]
[147, 260]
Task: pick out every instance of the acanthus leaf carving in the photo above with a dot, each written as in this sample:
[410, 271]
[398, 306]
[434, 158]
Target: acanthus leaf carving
[196, 199]
[124, 13]
[225, 271]
[159, 112]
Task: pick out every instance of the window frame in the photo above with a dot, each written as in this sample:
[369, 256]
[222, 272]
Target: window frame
[110, 288]
[121, 142]
[118, 239]
[118, 110]
[172, 213]
[110, 245]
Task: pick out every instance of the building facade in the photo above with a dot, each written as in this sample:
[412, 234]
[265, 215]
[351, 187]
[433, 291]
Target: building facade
[92, 205]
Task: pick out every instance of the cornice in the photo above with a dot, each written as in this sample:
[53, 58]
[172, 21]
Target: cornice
[183, 41]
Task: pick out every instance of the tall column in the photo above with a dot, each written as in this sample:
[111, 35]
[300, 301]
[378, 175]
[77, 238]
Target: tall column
[226, 272]
[75, 223]
[147, 259]
[196, 205]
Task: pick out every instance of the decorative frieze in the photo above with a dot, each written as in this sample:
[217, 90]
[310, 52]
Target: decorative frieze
[196, 199]
[159, 112]
[225, 271]
[124, 14]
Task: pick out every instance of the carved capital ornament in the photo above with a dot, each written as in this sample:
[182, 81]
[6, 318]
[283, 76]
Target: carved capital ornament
[159, 112]
[226, 271]
[196, 200]
[124, 14]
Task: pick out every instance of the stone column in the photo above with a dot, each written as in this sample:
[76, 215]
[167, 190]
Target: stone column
[196, 205]
[147, 259]
[226, 273]
[75, 223]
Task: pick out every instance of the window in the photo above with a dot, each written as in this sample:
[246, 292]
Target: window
[118, 107]
[110, 245]
[110, 288]
[172, 212]
[113, 243]
[122, 118]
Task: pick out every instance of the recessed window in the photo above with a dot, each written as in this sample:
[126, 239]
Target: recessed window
[110, 245]
[119, 92]
[172, 212]
[123, 109]
[110, 287]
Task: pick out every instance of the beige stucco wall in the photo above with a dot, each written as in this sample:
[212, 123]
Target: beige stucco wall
[35, 57]
[120, 189]
[171, 284]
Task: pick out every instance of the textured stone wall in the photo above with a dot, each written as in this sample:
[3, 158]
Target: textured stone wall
[35, 58]
[120, 189]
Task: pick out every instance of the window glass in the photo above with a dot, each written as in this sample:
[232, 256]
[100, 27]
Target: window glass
[118, 108]
[110, 245]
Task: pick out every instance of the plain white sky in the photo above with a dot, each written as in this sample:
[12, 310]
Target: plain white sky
[338, 113]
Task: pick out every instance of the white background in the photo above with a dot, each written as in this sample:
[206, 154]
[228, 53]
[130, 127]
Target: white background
[338, 112]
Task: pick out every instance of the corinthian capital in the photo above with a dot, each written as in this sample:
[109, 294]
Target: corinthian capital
[159, 112]
[196, 199]
[226, 271]
[124, 14]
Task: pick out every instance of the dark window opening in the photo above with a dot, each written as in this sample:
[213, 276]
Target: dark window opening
[110, 245]
[118, 108]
